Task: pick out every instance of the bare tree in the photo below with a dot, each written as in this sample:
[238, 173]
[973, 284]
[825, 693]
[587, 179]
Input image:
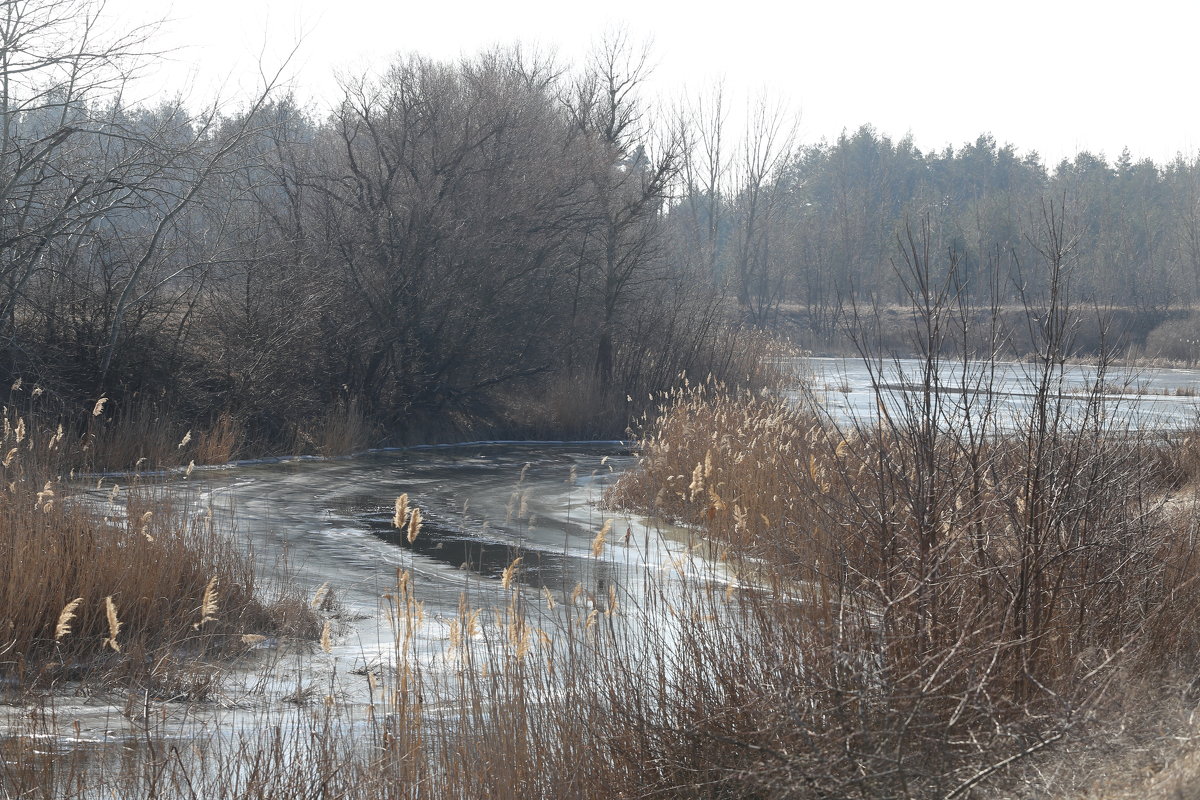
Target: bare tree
[632, 170]
[448, 202]
[758, 208]
[705, 173]
[57, 70]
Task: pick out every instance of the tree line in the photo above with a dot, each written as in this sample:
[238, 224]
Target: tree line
[500, 238]
[832, 219]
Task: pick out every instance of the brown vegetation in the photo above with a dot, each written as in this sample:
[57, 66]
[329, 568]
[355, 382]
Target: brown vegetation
[119, 584]
[932, 605]
[945, 592]
[1019, 636]
[953, 604]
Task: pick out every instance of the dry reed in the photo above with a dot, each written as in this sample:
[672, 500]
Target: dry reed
[103, 590]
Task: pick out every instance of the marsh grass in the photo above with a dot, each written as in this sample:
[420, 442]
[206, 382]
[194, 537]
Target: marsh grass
[140, 437]
[582, 406]
[343, 430]
[118, 586]
[743, 674]
[926, 610]
[218, 444]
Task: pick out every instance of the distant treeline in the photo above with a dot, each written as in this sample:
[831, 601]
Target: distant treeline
[500, 239]
[829, 226]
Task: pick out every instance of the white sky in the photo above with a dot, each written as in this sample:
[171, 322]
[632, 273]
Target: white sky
[1055, 76]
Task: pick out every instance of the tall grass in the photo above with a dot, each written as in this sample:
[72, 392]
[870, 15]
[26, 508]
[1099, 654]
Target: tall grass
[746, 674]
[117, 586]
[923, 610]
[582, 406]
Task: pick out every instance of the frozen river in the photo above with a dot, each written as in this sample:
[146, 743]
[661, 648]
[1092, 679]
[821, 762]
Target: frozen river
[1149, 398]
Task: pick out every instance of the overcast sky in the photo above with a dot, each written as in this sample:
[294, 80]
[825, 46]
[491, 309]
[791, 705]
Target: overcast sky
[1052, 76]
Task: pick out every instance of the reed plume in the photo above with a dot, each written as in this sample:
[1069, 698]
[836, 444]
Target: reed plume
[208, 604]
[509, 572]
[598, 542]
[64, 619]
[114, 624]
[414, 524]
[401, 516]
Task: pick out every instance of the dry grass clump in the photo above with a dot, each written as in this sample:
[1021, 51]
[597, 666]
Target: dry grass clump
[125, 588]
[219, 444]
[343, 431]
[139, 437]
[582, 405]
[936, 599]
[725, 460]
[1178, 460]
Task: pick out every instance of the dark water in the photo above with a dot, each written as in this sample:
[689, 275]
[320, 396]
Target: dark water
[482, 507]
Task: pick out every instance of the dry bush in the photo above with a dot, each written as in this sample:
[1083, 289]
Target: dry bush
[939, 594]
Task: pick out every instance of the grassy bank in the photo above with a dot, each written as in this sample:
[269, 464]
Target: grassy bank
[120, 586]
[130, 432]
